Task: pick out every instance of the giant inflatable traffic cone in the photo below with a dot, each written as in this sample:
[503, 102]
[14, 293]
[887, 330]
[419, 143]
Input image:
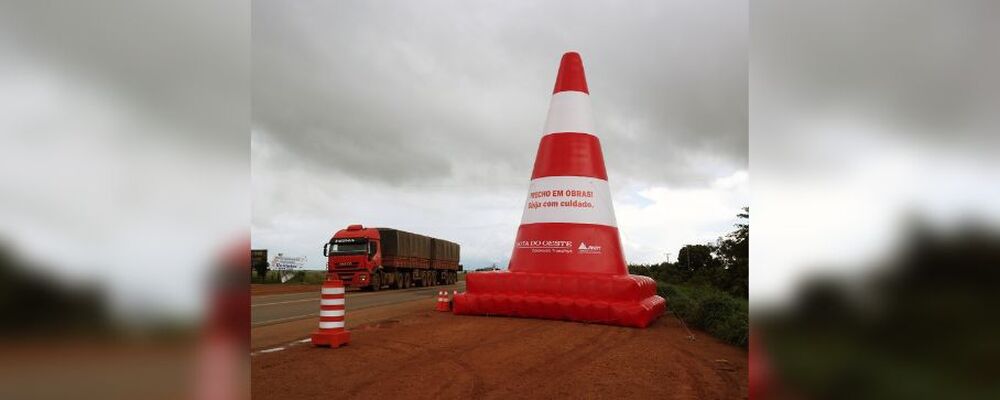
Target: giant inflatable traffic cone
[567, 261]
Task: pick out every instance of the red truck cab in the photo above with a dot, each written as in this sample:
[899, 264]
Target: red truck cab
[353, 254]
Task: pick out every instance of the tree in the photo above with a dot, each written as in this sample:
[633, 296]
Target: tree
[733, 251]
[261, 267]
[695, 263]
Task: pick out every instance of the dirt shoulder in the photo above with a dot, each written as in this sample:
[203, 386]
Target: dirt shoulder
[409, 351]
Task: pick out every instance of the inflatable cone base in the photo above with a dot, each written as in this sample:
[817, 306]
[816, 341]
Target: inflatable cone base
[567, 262]
[613, 300]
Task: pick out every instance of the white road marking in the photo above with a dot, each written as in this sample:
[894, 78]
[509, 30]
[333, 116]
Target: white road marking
[348, 294]
[284, 302]
[272, 350]
[286, 319]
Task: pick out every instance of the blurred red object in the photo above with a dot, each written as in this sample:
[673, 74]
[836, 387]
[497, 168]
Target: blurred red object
[223, 359]
[760, 370]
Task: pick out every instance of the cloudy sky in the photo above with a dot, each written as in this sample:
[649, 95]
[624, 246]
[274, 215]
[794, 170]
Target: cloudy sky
[123, 144]
[426, 117]
[866, 115]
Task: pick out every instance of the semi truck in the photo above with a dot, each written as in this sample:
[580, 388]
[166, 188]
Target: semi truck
[376, 258]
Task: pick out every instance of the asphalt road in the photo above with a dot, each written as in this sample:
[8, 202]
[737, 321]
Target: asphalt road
[278, 308]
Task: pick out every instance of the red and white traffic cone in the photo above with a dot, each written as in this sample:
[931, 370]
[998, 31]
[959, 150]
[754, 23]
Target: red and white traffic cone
[331, 330]
[442, 303]
[567, 253]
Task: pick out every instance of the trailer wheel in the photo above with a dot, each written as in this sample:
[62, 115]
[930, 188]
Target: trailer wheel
[406, 280]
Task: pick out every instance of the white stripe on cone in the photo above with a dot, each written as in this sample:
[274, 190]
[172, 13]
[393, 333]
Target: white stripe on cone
[331, 302]
[331, 325]
[331, 313]
[333, 290]
[569, 112]
[544, 205]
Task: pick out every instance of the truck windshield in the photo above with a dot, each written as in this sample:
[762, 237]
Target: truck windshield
[357, 247]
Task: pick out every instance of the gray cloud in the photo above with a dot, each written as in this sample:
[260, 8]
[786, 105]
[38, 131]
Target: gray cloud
[919, 71]
[445, 91]
[867, 115]
[426, 116]
[124, 133]
[182, 68]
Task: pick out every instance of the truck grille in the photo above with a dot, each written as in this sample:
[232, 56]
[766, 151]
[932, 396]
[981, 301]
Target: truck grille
[346, 273]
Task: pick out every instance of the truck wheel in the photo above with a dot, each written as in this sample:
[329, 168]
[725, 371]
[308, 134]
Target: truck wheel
[406, 281]
[376, 282]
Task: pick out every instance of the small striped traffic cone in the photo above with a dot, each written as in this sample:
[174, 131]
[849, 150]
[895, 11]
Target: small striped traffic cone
[442, 303]
[331, 330]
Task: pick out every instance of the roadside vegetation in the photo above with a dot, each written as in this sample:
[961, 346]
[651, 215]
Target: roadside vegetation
[707, 286]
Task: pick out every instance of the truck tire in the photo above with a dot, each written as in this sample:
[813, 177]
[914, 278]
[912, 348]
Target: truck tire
[406, 280]
[376, 282]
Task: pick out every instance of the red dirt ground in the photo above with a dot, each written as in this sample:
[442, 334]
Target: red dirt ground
[433, 355]
[257, 289]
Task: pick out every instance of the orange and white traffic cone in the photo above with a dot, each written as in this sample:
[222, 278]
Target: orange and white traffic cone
[331, 330]
[442, 303]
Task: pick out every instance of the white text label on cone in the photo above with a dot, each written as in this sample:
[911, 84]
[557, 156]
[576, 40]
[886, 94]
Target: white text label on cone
[569, 199]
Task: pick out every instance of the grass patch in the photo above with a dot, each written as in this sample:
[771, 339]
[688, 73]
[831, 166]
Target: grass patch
[712, 310]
